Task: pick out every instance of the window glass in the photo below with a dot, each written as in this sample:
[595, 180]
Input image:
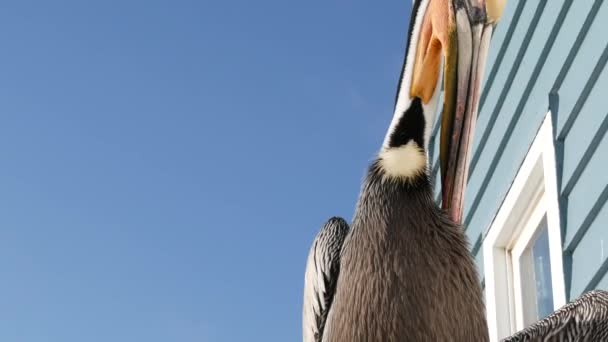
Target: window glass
[542, 271]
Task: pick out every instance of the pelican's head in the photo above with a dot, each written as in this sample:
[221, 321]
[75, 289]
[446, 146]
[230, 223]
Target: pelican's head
[450, 37]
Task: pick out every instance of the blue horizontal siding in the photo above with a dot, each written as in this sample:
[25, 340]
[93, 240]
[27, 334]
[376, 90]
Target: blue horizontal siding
[602, 281]
[585, 132]
[479, 260]
[594, 40]
[590, 255]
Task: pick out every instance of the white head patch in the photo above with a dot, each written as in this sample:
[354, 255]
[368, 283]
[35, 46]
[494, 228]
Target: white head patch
[406, 161]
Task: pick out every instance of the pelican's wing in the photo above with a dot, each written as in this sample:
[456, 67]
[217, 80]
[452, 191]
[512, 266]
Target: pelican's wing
[322, 269]
[585, 319]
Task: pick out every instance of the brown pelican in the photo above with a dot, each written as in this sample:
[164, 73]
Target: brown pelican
[404, 271]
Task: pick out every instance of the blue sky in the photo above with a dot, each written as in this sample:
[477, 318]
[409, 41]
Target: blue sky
[165, 165]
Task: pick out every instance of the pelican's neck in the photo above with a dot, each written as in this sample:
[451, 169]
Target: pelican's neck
[405, 81]
[405, 148]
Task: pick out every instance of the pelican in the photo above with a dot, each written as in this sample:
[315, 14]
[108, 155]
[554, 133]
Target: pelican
[403, 271]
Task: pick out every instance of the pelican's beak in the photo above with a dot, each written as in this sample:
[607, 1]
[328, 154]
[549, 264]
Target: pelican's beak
[458, 31]
[473, 23]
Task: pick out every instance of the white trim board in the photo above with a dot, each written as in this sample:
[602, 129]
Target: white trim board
[535, 186]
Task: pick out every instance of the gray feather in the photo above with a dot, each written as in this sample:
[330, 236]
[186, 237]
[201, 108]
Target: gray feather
[585, 319]
[322, 269]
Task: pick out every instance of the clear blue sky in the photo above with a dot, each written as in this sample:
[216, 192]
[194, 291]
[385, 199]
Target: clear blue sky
[165, 165]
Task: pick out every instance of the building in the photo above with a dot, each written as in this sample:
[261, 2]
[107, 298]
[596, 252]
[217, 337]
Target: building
[535, 211]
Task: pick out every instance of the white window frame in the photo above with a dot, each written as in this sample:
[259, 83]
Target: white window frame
[532, 196]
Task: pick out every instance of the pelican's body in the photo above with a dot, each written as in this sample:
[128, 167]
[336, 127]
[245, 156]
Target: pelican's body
[405, 271]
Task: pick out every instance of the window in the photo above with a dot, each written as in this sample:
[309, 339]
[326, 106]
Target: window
[522, 250]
